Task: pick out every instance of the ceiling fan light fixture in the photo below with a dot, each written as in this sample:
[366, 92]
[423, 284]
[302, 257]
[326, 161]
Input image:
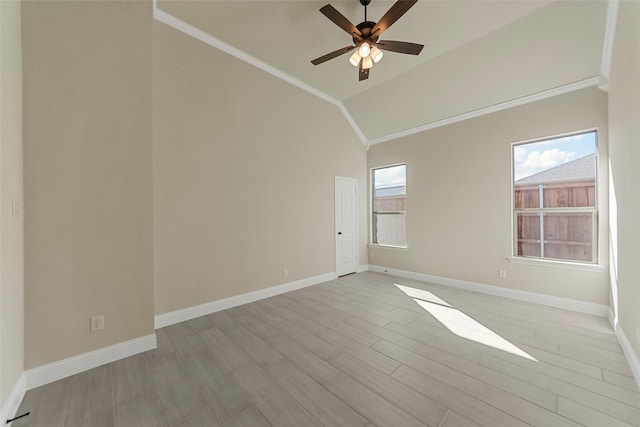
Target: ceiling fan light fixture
[355, 58]
[376, 54]
[367, 62]
[364, 49]
[366, 37]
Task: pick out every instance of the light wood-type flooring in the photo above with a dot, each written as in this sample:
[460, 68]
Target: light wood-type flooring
[365, 350]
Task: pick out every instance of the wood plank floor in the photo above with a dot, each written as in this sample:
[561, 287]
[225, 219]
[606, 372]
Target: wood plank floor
[365, 350]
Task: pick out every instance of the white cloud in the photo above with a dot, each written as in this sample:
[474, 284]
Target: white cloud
[538, 161]
[519, 153]
[547, 159]
[392, 175]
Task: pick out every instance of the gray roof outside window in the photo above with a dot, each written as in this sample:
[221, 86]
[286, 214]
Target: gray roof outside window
[581, 169]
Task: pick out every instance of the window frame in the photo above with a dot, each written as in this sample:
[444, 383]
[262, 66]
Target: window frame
[372, 213]
[594, 211]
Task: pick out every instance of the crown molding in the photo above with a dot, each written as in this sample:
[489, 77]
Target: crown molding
[607, 47]
[186, 28]
[601, 81]
[353, 124]
[571, 87]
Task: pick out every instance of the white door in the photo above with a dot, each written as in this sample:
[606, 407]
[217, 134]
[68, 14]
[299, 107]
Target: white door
[346, 226]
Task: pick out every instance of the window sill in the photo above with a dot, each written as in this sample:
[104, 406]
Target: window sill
[557, 264]
[377, 245]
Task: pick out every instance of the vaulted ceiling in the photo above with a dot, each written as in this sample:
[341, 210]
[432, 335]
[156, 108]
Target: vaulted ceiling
[479, 55]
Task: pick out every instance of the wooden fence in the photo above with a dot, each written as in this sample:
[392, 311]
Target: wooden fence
[550, 226]
[390, 203]
[389, 226]
[570, 195]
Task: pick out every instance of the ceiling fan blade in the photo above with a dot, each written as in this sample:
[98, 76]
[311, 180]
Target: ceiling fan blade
[363, 74]
[339, 19]
[332, 55]
[400, 47]
[393, 14]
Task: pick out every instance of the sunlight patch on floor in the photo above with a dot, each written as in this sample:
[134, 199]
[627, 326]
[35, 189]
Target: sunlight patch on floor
[459, 323]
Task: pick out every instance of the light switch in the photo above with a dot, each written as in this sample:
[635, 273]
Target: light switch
[16, 207]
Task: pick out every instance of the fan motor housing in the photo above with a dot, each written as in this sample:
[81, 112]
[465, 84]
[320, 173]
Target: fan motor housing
[365, 28]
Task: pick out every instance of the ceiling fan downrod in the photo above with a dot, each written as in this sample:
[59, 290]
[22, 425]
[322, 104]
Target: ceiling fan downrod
[365, 3]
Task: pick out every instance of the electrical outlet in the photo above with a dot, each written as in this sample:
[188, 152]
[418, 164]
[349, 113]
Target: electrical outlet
[502, 274]
[97, 323]
[285, 273]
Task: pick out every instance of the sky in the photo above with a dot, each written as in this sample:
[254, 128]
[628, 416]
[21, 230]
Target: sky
[534, 157]
[394, 175]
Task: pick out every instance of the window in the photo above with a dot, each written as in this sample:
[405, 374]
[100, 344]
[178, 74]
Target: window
[389, 200]
[554, 205]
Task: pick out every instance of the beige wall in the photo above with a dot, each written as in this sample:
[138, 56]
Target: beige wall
[88, 175]
[459, 197]
[244, 167]
[11, 228]
[624, 128]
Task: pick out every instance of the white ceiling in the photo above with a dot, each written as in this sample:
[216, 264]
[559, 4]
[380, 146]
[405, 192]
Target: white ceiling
[477, 53]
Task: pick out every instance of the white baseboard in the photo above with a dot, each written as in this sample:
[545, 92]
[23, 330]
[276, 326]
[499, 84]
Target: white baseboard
[565, 303]
[629, 353]
[611, 317]
[173, 317]
[73, 365]
[632, 357]
[549, 300]
[362, 268]
[63, 368]
[12, 403]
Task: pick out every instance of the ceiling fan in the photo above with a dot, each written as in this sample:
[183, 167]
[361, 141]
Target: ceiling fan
[365, 37]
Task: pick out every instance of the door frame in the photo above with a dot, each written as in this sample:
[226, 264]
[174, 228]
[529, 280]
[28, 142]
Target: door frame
[356, 240]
